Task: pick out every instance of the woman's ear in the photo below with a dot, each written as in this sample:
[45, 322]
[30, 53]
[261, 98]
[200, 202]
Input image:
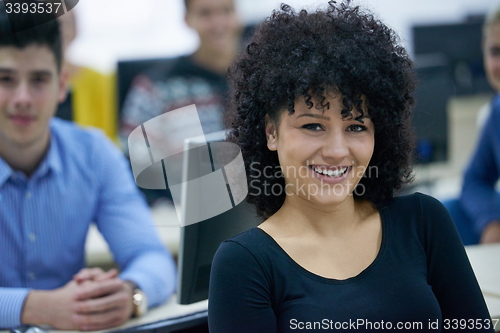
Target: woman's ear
[271, 134]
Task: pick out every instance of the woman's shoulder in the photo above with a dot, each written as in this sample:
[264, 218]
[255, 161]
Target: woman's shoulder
[413, 203]
[419, 214]
[251, 248]
[252, 241]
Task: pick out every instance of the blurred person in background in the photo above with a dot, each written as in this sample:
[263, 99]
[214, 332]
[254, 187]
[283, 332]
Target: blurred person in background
[91, 97]
[477, 214]
[198, 78]
[55, 180]
[491, 47]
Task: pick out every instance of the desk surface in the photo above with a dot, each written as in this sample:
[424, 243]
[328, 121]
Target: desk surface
[169, 310]
[97, 252]
[486, 264]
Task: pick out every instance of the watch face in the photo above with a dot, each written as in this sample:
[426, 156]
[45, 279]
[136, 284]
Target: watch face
[140, 302]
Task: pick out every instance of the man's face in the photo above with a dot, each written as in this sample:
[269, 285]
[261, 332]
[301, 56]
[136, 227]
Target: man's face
[30, 89]
[215, 21]
[491, 51]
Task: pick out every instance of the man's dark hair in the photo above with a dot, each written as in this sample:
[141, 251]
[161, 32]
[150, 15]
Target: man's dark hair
[294, 55]
[46, 34]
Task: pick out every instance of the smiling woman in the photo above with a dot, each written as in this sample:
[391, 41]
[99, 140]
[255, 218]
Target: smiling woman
[326, 97]
[358, 67]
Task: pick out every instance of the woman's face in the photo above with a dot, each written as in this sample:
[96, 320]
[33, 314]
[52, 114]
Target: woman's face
[491, 51]
[322, 155]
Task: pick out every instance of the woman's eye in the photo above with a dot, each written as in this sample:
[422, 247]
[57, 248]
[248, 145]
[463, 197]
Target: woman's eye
[357, 128]
[313, 127]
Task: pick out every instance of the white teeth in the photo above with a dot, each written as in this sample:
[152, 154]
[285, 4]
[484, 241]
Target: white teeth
[331, 173]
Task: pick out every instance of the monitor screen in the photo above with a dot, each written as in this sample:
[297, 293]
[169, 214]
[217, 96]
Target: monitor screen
[430, 117]
[458, 45]
[448, 62]
[200, 240]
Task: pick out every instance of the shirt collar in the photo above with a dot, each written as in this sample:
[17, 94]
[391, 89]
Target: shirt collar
[52, 159]
[5, 171]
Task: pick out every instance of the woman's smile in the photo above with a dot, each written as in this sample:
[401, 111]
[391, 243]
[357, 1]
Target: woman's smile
[329, 174]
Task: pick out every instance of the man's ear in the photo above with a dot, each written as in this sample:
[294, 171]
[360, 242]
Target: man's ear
[63, 86]
[271, 134]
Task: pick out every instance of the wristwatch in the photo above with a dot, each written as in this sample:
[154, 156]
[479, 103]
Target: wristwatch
[139, 300]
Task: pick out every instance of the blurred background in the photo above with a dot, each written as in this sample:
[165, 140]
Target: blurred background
[129, 29]
[443, 37]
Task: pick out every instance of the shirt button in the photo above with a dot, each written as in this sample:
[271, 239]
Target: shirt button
[28, 194]
[32, 237]
[32, 276]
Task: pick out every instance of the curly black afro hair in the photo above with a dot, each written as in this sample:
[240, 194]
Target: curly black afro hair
[296, 55]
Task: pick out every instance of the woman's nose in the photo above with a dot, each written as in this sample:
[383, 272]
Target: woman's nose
[335, 147]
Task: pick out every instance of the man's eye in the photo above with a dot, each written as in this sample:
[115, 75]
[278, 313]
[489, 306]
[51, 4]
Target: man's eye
[227, 10]
[204, 13]
[39, 79]
[6, 79]
[495, 52]
[357, 128]
[313, 127]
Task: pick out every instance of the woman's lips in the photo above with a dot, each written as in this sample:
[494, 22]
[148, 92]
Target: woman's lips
[333, 176]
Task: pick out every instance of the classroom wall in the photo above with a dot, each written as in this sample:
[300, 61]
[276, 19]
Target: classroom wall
[129, 29]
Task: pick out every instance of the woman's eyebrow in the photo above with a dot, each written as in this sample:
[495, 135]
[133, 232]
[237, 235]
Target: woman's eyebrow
[319, 116]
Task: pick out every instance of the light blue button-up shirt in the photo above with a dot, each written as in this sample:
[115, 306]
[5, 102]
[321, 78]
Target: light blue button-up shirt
[44, 221]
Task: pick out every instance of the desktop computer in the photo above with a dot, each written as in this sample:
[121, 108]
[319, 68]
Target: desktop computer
[448, 62]
[200, 241]
[206, 223]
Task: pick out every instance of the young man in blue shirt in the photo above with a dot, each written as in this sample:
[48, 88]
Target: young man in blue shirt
[55, 179]
[479, 198]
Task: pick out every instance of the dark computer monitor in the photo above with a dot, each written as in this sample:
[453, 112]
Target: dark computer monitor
[430, 117]
[458, 46]
[200, 241]
[449, 62]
